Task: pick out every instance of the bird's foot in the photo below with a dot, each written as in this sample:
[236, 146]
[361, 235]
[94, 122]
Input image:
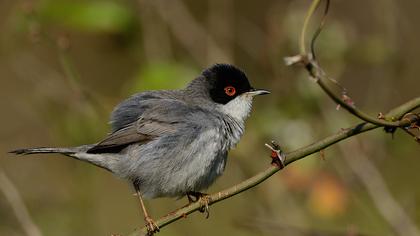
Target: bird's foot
[204, 201]
[190, 198]
[195, 196]
[276, 154]
[151, 226]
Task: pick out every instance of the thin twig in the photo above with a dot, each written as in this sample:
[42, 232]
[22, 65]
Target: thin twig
[13, 197]
[73, 78]
[291, 157]
[152, 29]
[377, 189]
[415, 137]
[388, 122]
[311, 11]
[314, 70]
[190, 33]
[320, 27]
[274, 227]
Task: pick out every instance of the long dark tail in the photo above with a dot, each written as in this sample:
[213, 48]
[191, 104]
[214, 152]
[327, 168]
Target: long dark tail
[105, 160]
[27, 151]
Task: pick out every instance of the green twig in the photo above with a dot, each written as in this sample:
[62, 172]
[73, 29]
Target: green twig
[309, 14]
[314, 70]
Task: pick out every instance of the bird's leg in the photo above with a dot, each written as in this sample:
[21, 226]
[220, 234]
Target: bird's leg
[152, 227]
[276, 154]
[204, 201]
[190, 198]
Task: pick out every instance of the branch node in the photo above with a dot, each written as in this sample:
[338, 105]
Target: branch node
[412, 119]
[277, 155]
[390, 129]
[347, 99]
[294, 60]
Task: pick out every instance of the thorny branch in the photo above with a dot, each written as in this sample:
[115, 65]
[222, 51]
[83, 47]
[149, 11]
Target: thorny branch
[316, 72]
[399, 117]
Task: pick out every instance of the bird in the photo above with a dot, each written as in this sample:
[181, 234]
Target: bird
[172, 143]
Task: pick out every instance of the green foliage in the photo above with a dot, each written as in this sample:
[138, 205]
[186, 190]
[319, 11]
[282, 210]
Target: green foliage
[92, 16]
[161, 76]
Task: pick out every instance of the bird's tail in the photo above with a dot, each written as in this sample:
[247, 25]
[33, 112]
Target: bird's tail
[106, 161]
[27, 151]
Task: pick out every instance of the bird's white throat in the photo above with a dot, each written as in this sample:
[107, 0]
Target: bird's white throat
[239, 108]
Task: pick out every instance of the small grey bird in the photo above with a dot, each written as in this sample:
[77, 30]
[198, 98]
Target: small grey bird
[172, 143]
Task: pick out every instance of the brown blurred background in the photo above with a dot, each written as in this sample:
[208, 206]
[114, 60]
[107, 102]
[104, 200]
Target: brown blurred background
[64, 64]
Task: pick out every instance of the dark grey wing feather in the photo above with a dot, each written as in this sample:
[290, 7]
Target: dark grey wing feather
[118, 140]
[132, 108]
[161, 117]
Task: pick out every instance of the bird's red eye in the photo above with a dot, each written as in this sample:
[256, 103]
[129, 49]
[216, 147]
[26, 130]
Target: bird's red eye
[230, 90]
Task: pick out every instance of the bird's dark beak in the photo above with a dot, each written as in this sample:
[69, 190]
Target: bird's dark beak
[255, 92]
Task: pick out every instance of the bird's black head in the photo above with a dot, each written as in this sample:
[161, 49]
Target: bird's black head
[226, 82]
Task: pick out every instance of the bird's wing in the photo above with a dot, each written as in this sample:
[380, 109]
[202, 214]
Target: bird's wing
[163, 117]
[129, 111]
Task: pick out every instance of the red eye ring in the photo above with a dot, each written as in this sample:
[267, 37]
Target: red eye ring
[230, 91]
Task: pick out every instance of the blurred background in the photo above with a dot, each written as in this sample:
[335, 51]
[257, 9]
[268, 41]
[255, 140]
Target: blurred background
[64, 64]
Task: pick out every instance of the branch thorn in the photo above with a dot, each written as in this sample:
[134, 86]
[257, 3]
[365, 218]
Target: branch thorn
[293, 60]
[322, 153]
[277, 154]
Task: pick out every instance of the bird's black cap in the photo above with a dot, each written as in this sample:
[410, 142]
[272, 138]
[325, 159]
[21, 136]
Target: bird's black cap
[226, 82]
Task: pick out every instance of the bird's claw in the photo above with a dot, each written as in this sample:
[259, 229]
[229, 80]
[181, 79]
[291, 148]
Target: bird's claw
[204, 201]
[151, 226]
[277, 154]
[204, 205]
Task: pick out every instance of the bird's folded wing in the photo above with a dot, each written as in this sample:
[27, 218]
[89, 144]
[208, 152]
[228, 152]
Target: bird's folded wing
[162, 120]
[141, 131]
